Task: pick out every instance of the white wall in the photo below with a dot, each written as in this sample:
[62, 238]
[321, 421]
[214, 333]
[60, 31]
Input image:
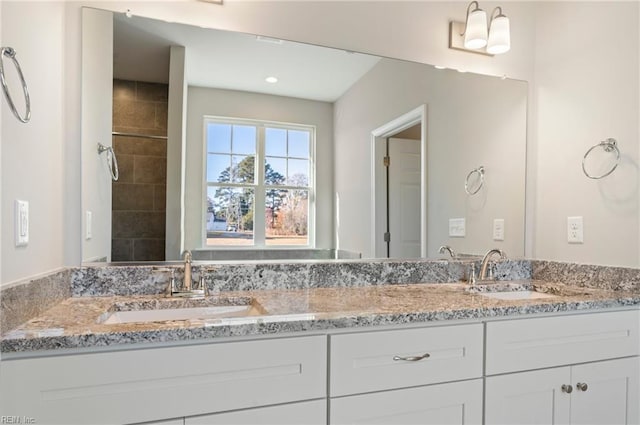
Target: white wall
[33, 156]
[586, 90]
[176, 140]
[472, 120]
[237, 104]
[96, 107]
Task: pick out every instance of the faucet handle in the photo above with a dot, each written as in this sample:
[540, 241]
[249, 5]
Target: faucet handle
[203, 285]
[472, 274]
[171, 286]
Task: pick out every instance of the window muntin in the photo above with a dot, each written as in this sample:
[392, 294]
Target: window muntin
[236, 189]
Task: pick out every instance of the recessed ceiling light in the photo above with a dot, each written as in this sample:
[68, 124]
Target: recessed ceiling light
[439, 67]
[269, 39]
[271, 80]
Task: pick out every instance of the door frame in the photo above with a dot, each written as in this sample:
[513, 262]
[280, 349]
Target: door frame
[380, 134]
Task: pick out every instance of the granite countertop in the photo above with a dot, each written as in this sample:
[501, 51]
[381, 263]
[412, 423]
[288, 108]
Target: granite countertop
[77, 322]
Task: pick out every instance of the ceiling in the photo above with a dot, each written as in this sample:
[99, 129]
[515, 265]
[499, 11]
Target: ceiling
[234, 61]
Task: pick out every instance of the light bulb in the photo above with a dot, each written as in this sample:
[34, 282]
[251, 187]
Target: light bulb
[499, 35]
[475, 35]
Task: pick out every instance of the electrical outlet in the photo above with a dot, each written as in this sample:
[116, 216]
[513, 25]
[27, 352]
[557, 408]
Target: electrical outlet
[22, 223]
[575, 231]
[457, 227]
[498, 229]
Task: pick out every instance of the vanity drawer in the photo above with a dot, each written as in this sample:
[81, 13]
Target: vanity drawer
[523, 344]
[152, 384]
[370, 361]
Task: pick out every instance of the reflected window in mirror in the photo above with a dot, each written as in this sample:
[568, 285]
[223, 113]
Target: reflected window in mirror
[237, 188]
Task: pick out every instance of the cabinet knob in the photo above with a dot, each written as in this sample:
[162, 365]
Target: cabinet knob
[567, 389]
[582, 386]
[411, 358]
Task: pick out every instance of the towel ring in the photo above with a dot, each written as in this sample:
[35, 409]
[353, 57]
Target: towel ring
[609, 145]
[112, 161]
[480, 172]
[11, 54]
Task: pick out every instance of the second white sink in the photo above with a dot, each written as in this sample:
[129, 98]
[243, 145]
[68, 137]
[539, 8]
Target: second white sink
[516, 295]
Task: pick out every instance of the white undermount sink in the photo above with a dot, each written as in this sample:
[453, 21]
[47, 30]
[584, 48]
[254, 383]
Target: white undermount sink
[180, 309]
[516, 295]
[192, 313]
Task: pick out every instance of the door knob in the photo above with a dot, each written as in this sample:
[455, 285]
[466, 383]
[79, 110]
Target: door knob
[567, 389]
[582, 386]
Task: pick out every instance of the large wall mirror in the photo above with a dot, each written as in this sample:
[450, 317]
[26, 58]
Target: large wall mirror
[345, 154]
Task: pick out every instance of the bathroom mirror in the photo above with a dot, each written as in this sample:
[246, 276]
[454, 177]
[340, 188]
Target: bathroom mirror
[438, 124]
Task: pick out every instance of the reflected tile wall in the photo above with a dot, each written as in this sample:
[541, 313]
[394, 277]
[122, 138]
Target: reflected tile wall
[138, 211]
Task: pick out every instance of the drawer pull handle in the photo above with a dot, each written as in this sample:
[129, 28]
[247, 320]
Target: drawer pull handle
[567, 389]
[581, 386]
[412, 358]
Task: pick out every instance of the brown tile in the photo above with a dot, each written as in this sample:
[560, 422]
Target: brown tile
[160, 197]
[134, 224]
[125, 168]
[124, 90]
[153, 92]
[148, 250]
[139, 115]
[133, 197]
[140, 146]
[121, 249]
[162, 112]
[149, 169]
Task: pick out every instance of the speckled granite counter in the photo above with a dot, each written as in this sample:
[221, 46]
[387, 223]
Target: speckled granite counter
[75, 322]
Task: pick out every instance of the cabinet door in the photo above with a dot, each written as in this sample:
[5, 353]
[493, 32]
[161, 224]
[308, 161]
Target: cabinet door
[452, 403]
[611, 394]
[528, 398]
[306, 413]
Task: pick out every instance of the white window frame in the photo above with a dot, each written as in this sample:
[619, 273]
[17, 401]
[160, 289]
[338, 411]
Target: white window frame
[259, 187]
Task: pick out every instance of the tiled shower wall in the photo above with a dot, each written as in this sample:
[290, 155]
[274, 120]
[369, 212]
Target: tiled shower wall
[138, 211]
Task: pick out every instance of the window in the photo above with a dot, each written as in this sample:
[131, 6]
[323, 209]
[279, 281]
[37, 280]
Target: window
[238, 187]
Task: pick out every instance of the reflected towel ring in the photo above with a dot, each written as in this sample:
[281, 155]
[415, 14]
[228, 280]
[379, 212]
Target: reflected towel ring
[112, 161]
[480, 172]
[609, 145]
[11, 54]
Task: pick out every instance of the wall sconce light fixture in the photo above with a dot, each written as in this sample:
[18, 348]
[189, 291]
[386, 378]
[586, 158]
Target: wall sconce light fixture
[474, 35]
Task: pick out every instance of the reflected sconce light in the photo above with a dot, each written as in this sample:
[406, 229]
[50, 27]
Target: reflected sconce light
[474, 35]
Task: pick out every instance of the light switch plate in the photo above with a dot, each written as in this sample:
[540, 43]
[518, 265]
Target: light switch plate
[22, 223]
[457, 228]
[88, 225]
[498, 229]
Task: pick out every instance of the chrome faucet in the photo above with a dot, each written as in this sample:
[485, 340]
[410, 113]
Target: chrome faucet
[484, 266]
[447, 248]
[186, 285]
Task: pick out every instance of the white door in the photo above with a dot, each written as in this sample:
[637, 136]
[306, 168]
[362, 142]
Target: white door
[404, 198]
[445, 404]
[606, 392]
[528, 398]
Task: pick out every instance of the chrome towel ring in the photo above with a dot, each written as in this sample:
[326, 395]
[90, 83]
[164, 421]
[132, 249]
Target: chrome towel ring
[11, 54]
[480, 177]
[112, 161]
[609, 145]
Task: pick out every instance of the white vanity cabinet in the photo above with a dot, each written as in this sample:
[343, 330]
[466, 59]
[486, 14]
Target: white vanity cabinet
[154, 384]
[583, 388]
[407, 376]
[304, 413]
